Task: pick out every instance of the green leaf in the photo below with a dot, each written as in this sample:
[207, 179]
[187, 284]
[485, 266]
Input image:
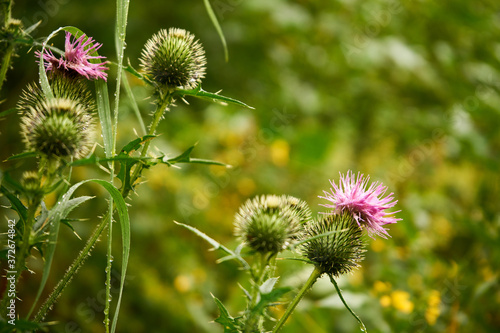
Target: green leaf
[133, 103]
[24, 155]
[225, 319]
[15, 204]
[216, 245]
[56, 214]
[138, 75]
[198, 92]
[136, 144]
[104, 111]
[270, 299]
[21, 325]
[268, 285]
[7, 112]
[216, 24]
[185, 157]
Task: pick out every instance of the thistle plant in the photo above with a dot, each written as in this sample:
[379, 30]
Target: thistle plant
[59, 116]
[333, 243]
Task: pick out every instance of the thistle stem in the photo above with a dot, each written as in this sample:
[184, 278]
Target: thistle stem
[6, 63]
[361, 325]
[309, 283]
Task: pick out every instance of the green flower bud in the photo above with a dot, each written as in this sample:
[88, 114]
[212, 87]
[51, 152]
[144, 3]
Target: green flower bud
[174, 59]
[32, 184]
[337, 253]
[58, 128]
[268, 224]
[62, 86]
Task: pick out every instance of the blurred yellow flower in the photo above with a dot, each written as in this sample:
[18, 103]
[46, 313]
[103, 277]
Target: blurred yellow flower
[280, 153]
[380, 287]
[182, 283]
[385, 301]
[433, 311]
[401, 301]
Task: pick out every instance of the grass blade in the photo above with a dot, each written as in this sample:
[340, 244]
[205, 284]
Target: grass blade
[216, 24]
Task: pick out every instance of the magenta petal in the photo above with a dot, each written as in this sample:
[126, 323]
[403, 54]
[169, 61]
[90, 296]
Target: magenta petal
[367, 205]
[77, 56]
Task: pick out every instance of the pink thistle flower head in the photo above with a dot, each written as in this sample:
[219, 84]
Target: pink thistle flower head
[367, 205]
[77, 58]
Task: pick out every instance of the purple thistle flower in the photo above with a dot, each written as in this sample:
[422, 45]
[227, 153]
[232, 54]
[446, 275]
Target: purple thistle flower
[368, 206]
[76, 58]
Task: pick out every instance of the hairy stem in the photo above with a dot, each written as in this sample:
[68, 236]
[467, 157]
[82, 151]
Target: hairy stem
[309, 283]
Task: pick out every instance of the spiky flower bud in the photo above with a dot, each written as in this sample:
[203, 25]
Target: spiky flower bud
[174, 59]
[336, 253]
[269, 223]
[63, 87]
[31, 183]
[58, 128]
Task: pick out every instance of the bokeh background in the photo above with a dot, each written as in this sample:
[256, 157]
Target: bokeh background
[405, 91]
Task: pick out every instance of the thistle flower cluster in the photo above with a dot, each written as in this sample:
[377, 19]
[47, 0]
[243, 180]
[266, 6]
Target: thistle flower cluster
[333, 241]
[173, 59]
[63, 126]
[269, 223]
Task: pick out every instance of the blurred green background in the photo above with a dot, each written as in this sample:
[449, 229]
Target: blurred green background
[405, 91]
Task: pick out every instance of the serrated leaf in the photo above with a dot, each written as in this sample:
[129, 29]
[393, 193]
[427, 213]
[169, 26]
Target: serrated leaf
[136, 144]
[185, 157]
[229, 323]
[198, 92]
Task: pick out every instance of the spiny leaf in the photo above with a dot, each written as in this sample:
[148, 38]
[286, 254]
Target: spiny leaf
[198, 92]
[229, 323]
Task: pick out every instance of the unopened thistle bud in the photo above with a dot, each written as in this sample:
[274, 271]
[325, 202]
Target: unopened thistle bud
[31, 184]
[336, 253]
[63, 87]
[268, 224]
[174, 59]
[58, 128]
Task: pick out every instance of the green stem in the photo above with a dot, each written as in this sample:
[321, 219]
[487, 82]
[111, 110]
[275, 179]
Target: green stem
[361, 325]
[84, 253]
[7, 12]
[309, 283]
[82, 256]
[5, 64]
[253, 321]
[160, 109]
